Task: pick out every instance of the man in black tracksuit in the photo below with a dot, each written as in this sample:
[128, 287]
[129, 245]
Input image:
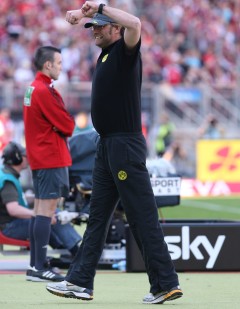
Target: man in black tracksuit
[120, 170]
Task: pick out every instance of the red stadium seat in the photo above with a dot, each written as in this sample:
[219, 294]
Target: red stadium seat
[4, 240]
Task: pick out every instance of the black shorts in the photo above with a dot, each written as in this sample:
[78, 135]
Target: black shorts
[51, 183]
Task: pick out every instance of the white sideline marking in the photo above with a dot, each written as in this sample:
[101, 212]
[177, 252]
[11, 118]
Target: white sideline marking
[211, 206]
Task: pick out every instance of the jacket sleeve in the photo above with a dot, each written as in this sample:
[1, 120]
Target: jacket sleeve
[53, 109]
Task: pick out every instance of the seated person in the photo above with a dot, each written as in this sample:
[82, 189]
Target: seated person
[160, 167]
[14, 212]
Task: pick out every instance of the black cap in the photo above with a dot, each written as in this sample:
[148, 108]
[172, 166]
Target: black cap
[99, 20]
[21, 149]
[12, 154]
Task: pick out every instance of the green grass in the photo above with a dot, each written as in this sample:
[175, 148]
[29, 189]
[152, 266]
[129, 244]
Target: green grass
[219, 208]
[125, 290]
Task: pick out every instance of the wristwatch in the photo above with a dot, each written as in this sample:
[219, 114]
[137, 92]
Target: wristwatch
[100, 8]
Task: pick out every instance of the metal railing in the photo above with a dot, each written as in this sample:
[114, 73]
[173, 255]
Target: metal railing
[186, 106]
[184, 110]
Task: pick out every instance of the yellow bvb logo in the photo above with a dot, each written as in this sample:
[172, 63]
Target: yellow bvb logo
[122, 175]
[104, 58]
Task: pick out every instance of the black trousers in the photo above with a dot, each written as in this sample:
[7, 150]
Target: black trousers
[120, 172]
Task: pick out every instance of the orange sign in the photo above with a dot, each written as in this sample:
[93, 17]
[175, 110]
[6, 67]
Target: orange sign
[218, 160]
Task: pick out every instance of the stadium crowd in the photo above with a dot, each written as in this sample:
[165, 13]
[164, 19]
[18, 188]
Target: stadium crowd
[183, 41]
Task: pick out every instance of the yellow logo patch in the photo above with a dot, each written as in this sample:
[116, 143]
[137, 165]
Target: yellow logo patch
[122, 175]
[104, 58]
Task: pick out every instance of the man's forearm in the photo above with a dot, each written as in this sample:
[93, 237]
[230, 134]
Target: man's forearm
[122, 18]
[75, 16]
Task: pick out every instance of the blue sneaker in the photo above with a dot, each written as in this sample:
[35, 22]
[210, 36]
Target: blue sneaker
[29, 273]
[49, 274]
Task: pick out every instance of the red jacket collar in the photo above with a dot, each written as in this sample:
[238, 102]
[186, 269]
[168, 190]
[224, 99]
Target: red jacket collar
[43, 77]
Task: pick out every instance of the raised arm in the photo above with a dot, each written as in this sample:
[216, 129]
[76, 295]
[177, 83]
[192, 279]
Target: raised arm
[130, 22]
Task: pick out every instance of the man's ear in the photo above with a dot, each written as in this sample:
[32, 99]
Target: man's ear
[117, 28]
[47, 65]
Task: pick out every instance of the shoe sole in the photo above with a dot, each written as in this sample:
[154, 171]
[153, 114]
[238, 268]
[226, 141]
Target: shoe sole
[68, 294]
[172, 295]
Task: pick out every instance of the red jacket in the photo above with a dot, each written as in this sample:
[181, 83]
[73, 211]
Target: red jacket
[47, 125]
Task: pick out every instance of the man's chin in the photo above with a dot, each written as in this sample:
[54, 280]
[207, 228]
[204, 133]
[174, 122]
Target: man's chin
[98, 42]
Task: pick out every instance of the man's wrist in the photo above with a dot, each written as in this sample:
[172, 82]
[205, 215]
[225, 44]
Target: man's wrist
[100, 8]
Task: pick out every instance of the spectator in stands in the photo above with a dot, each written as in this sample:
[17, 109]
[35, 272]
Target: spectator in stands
[24, 73]
[214, 24]
[6, 127]
[211, 129]
[71, 57]
[180, 158]
[164, 135]
[14, 212]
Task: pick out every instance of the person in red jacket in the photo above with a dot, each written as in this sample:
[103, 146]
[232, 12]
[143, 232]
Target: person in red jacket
[47, 127]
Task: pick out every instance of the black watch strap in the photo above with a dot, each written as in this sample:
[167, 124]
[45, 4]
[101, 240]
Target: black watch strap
[100, 8]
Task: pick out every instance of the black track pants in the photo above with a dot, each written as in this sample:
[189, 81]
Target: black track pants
[120, 171]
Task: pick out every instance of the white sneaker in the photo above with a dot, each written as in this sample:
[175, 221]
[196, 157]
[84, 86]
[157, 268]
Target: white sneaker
[69, 290]
[161, 297]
